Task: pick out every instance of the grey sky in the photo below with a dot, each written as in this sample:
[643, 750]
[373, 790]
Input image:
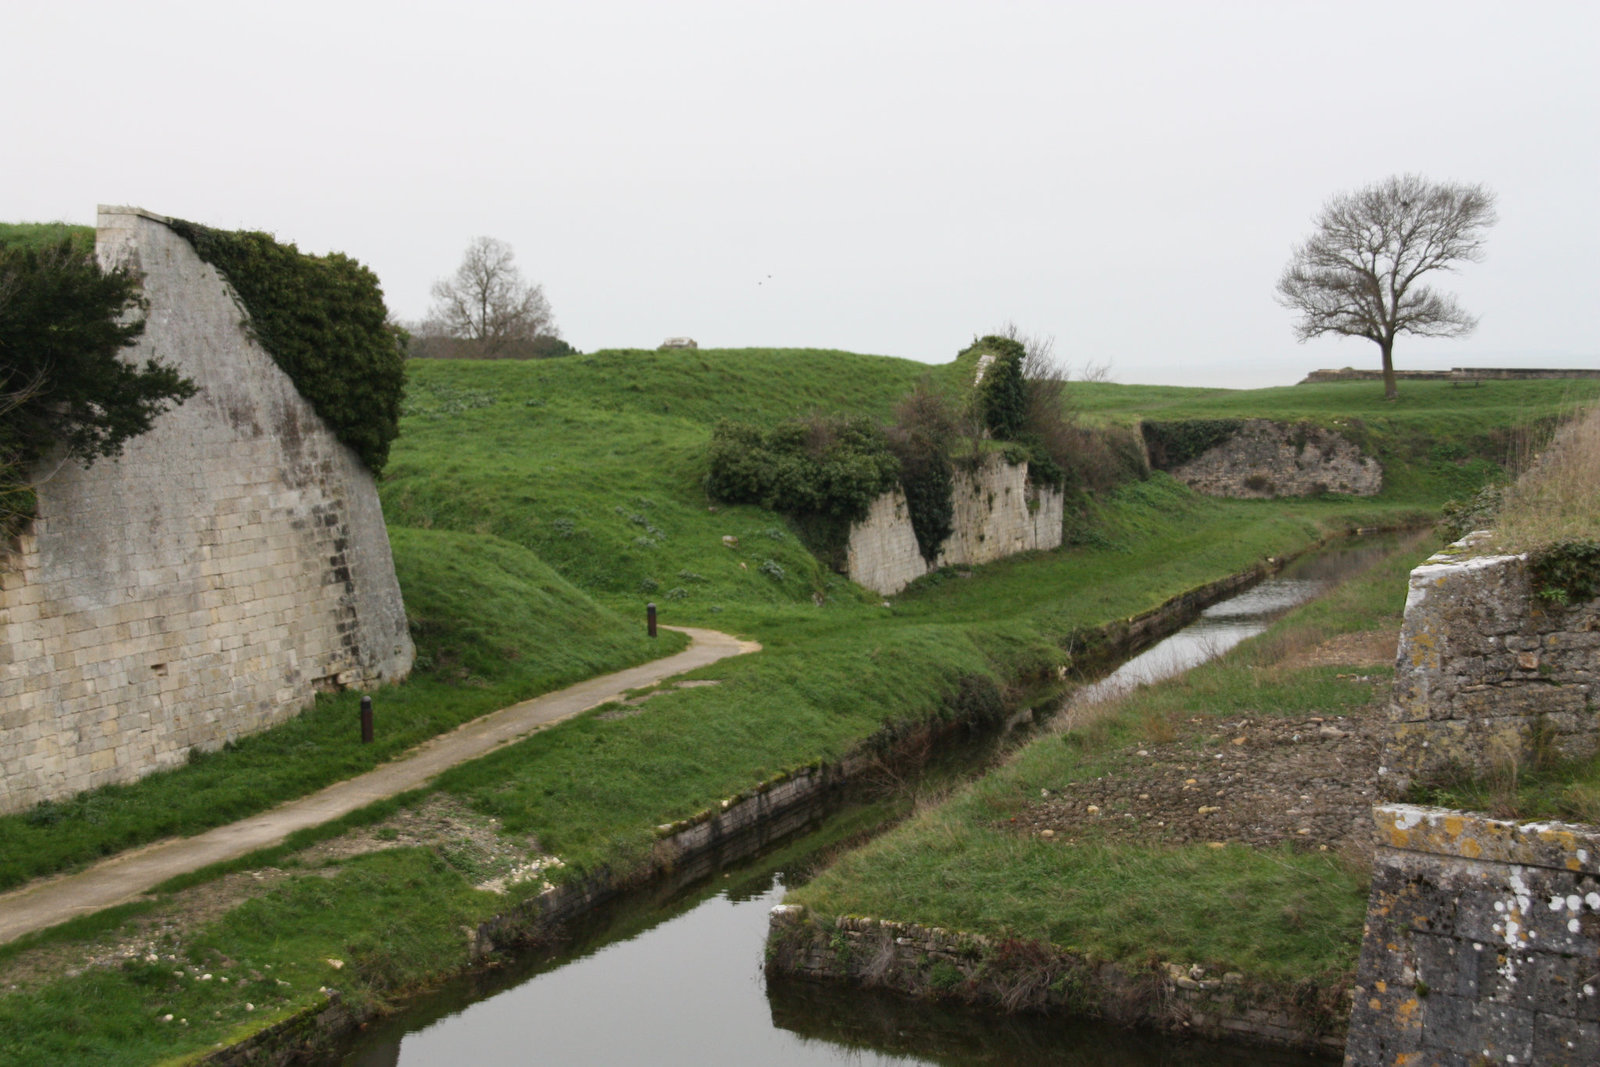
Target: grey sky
[879, 177]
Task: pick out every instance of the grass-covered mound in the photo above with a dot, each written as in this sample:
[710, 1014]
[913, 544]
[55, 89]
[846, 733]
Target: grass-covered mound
[535, 507]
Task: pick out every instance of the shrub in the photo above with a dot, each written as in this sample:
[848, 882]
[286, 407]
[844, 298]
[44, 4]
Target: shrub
[1172, 444]
[1002, 396]
[323, 321]
[63, 323]
[920, 439]
[828, 466]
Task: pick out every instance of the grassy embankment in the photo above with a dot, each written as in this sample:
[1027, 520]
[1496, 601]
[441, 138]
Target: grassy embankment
[1284, 915]
[581, 477]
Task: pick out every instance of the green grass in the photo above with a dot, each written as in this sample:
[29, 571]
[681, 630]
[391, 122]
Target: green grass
[493, 625]
[1277, 914]
[39, 235]
[534, 508]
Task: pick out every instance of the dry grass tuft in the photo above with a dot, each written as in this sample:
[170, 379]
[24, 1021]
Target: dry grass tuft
[1558, 498]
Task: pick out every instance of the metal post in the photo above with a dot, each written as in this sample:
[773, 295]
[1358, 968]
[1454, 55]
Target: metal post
[650, 618]
[366, 720]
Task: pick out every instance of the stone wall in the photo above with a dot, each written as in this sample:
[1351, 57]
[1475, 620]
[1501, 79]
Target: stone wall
[1455, 374]
[1482, 943]
[927, 961]
[207, 583]
[998, 513]
[1487, 673]
[1266, 459]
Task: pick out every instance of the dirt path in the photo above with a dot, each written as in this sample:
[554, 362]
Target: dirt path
[1261, 780]
[126, 876]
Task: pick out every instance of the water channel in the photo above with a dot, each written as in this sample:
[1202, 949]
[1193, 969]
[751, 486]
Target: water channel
[675, 978]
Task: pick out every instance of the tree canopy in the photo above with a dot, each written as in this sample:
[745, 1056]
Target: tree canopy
[1363, 270]
[63, 324]
[487, 301]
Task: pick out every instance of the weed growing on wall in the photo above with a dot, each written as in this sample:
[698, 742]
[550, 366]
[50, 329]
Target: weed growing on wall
[323, 321]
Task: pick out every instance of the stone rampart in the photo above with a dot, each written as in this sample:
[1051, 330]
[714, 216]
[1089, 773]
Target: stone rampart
[1488, 674]
[1482, 943]
[997, 513]
[1455, 374]
[1266, 459]
[206, 584]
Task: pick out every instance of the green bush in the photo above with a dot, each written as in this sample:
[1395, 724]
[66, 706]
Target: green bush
[821, 465]
[1172, 444]
[1003, 393]
[63, 324]
[323, 321]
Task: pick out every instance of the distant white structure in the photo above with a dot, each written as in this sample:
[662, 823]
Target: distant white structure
[677, 342]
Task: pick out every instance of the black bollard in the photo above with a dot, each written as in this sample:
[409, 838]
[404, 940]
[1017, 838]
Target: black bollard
[366, 720]
[650, 618]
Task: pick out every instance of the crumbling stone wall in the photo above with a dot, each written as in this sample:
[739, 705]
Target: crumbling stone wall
[997, 513]
[1482, 943]
[207, 583]
[1268, 459]
[1487, 672]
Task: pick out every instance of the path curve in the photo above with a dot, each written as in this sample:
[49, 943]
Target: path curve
[128, 875]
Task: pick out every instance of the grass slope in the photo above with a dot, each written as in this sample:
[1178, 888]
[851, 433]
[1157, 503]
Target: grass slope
[1281, 914]
[534, 508]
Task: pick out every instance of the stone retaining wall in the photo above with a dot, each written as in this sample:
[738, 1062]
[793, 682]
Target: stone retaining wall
[997, 513]
[206, 584]
[1455, 374]
[1482, 943]
[929, 961]
[1265, 459]
[1488, 675]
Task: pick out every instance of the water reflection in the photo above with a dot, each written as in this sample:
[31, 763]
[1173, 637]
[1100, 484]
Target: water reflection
[1225, 624]
[690, 991]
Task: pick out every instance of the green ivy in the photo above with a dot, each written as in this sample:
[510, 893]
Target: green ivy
[1003, 393]
[323, 321]
[1566, 573]
[1172, 444]
[833, 467]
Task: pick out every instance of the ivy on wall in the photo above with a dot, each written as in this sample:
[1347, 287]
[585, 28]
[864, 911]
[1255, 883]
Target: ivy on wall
[1172, 444]
[323, 321]
[1567, 573]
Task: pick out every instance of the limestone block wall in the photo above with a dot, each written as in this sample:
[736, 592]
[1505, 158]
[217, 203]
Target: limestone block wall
[208, 582]
[1267, 459]
[1482, 943]
[997, 513]
[1487, 672]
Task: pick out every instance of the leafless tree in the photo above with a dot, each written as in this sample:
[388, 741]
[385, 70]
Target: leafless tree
[1361, 272]
[487, 300]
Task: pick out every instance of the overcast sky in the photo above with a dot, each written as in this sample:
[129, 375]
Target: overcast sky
[880, 177]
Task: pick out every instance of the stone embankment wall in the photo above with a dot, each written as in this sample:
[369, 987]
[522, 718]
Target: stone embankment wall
[1487, 673]
[205, 585]
[928, 961]
[1455, 374]
[1266, 459]
[1482, 943]
[998, 513]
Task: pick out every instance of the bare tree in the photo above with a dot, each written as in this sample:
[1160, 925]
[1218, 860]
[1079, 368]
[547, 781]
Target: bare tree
[487, 300]
[1360, 273]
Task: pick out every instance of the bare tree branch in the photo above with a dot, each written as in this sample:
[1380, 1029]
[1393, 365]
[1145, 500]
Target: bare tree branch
[1360, 272]
[487, 301]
